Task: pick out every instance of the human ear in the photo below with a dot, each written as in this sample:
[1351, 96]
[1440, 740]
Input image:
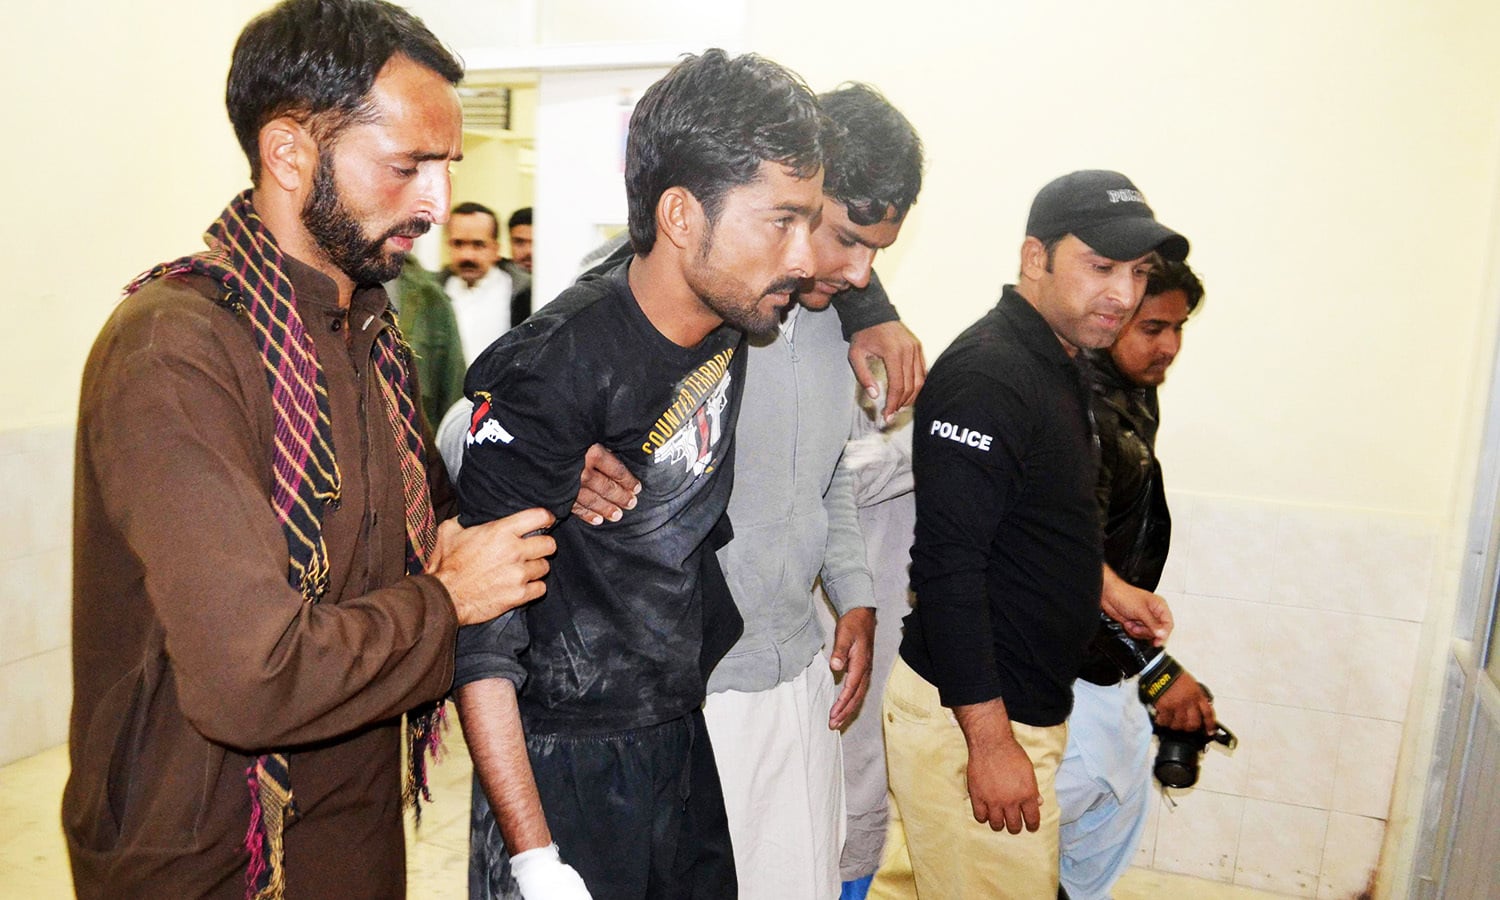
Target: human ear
[1033, 259]
[679, 217]
[288, 154]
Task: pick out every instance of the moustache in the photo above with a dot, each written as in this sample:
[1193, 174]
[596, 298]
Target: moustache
[412, 228]
[787, 285]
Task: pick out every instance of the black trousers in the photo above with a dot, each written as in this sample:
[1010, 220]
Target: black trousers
[639, 814]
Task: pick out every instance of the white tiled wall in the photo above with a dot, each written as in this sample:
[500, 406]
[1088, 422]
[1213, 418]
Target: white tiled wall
[36, 497]
[1304, 622]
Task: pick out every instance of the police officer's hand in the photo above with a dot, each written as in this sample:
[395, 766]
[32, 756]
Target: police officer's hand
[1002, 782]
[1002, 787]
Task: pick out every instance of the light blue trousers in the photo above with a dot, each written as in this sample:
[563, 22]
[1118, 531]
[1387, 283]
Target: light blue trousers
[1103, 787]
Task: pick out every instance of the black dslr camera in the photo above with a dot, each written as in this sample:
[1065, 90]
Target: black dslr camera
[1115, 652]
[1179, 752]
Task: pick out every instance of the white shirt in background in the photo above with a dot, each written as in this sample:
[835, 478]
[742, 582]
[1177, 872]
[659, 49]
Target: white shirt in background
[482, 311]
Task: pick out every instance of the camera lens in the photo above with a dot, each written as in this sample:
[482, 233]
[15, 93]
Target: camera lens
[1177, 764]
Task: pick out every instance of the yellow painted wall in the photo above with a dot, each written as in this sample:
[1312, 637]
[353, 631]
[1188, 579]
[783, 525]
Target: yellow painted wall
[116, 153]
[1334, 164]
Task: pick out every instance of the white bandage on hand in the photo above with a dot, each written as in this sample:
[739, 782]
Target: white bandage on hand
[542, 875]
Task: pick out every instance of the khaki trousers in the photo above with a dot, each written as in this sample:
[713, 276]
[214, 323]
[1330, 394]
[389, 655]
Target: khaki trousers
[934, 849]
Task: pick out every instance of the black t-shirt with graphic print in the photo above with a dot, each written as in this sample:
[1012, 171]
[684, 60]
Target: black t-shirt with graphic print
[616, 640]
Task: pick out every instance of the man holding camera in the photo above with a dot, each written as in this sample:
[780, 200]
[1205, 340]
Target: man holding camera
[1104, 782]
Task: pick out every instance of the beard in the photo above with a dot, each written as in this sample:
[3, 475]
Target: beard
[738, 304]
[738, 310]
[343, 239]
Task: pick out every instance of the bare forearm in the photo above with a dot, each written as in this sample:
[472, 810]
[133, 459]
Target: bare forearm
[984, 725]
[1001, 779]
[492, 728]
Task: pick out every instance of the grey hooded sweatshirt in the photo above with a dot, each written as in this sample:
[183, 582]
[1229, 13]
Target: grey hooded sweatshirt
[792, 506]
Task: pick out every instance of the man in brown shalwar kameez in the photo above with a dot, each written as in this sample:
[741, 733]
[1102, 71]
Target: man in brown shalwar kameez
[260, 590]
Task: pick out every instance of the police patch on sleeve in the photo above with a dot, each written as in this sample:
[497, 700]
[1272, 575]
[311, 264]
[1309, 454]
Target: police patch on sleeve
[969, 437]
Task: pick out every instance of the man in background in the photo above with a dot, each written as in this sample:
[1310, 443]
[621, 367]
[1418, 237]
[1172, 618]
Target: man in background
[518, 230]
[426, 317]
[488, 300]
[1104, 782]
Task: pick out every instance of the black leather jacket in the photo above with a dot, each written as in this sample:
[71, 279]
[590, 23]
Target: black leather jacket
[1132, 508]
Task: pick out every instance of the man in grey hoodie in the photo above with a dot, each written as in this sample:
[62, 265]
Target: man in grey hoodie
[773, 709]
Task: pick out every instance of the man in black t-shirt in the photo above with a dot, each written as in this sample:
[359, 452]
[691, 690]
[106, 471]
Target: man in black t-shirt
[583, 715]
[1007, 564]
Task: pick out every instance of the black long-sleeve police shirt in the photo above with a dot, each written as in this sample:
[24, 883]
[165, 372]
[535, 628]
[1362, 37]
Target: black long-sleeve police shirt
[1007, 561]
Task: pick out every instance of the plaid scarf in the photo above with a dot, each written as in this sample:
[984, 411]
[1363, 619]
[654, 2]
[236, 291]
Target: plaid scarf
[243, 257]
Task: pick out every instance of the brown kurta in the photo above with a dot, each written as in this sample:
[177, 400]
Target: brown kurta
[192, 653]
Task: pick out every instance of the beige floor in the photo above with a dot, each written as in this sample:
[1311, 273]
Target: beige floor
[33, 860]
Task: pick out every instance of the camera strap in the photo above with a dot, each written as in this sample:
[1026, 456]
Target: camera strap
[1161, 677]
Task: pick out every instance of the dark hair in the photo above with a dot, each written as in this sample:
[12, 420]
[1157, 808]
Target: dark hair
[707, 126]
[1176, 276]
[521, 216]
[316, 60]
[872, 157]
[1050, 246]
[469, 208]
